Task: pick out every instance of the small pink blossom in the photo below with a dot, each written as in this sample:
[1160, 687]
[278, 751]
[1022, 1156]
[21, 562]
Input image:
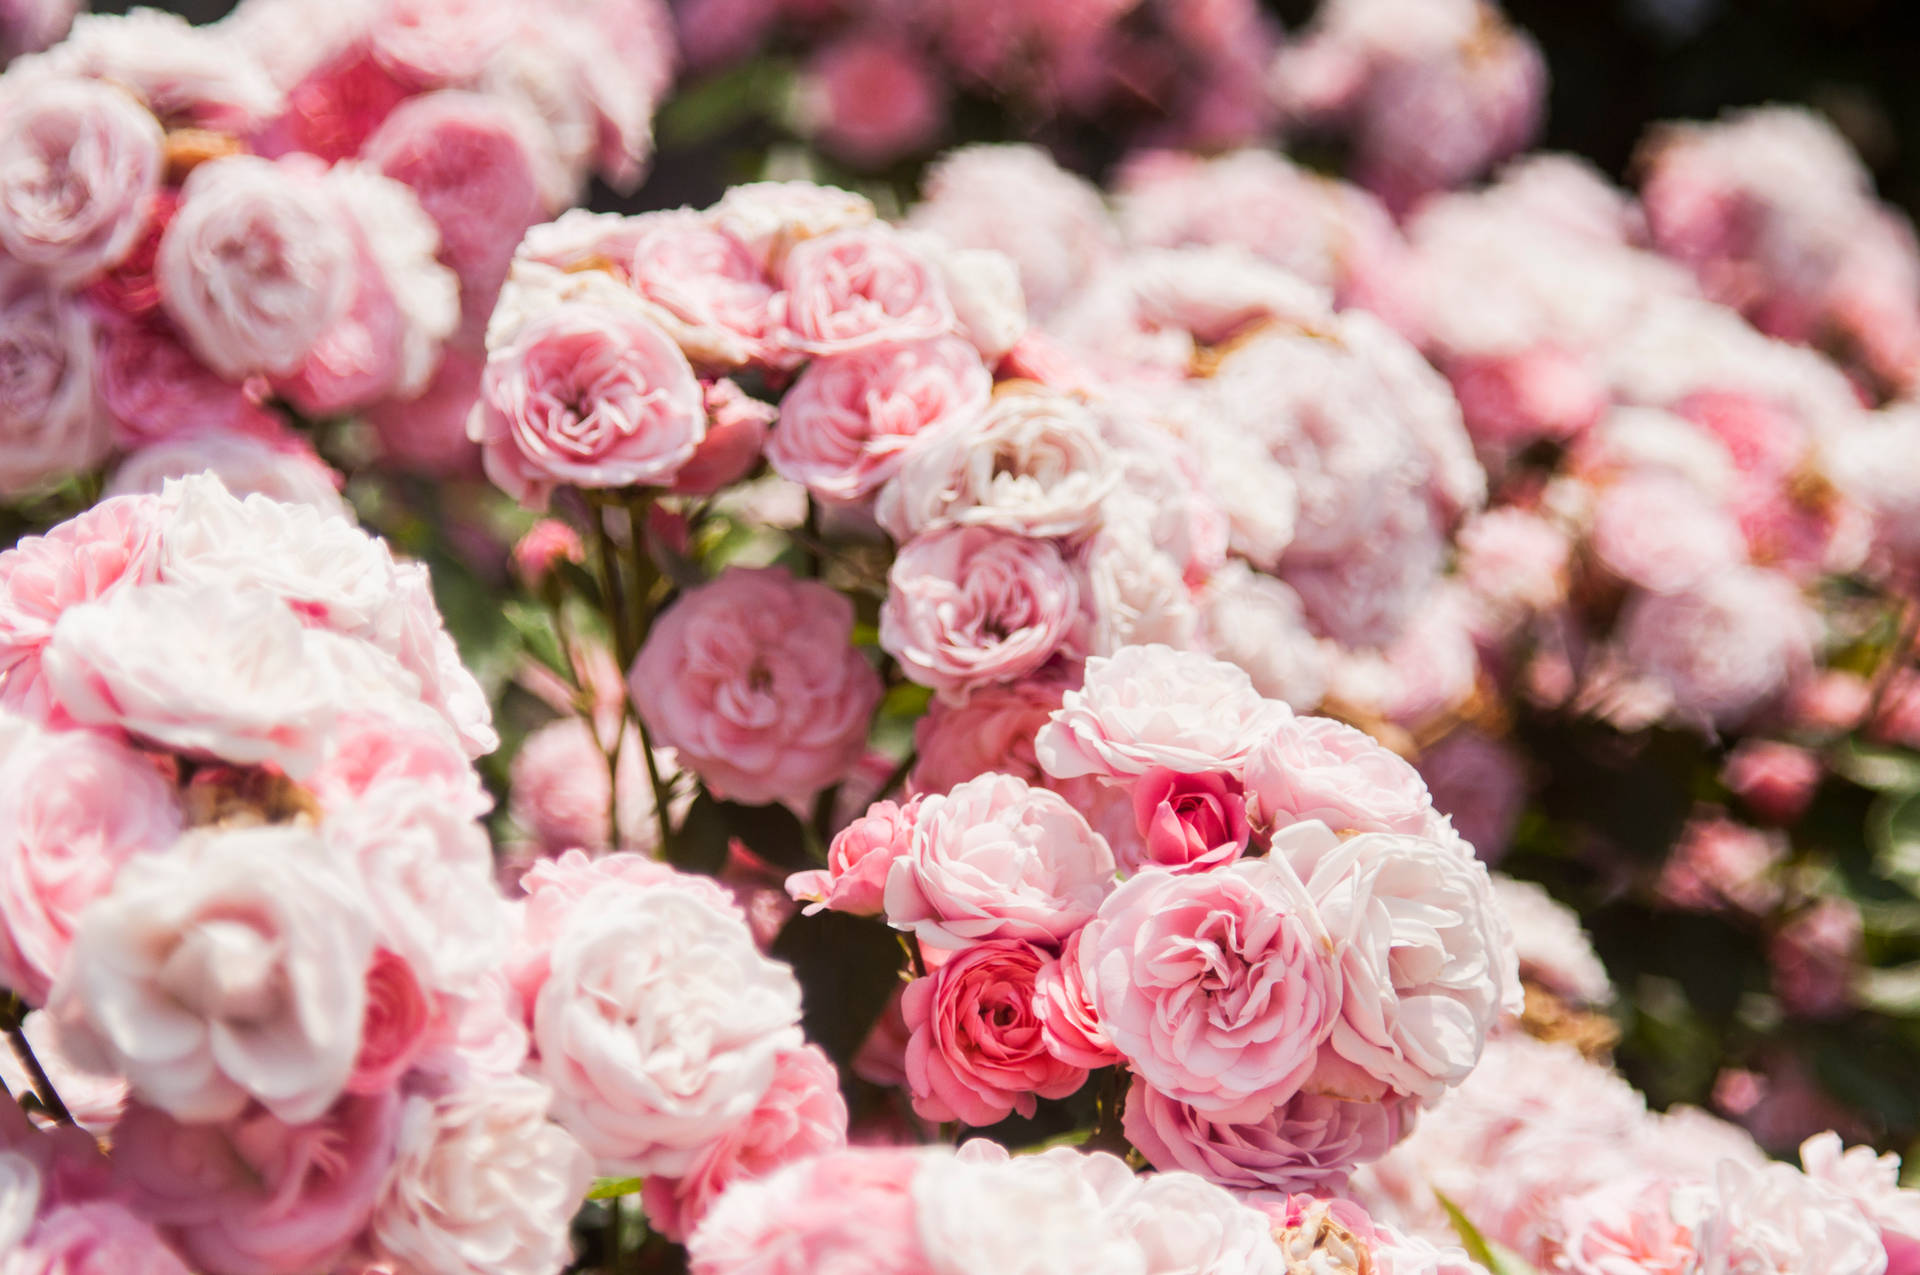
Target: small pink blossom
[858, 861]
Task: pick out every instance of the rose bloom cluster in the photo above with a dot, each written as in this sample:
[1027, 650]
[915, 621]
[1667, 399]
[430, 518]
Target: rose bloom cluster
[305, 206]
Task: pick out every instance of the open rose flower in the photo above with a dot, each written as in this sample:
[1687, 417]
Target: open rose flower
[1189, 823]
[1068, 1024]
[849, 1212]
[858, 860]
[704, 287]
[754, 680]
[992, 730]
[51, 421]
[1318, 768]
[860, 287]
[1216, 986]
[996, 859]
[587, 394]
[968, 606]
[93, 1237]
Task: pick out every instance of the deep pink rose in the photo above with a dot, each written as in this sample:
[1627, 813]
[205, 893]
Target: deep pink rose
[861, 287]
[1068, 1024]
[992, 730]
[395, 1029]
[703, 287]
[589, 395]
[755, 680]
[255, 1196]
[1318, 768]
[74, 806]
[997, 859]
[846, 423]
[970, 606]
[1189, 823]
[546, 545]
[977, 1053]
[153, 387]
[801, 1115]
[855, 878]
[79, 161]
[737, 425]
[94, 1238]
[51, 421]
[1307, 1143]
[1217, 986]
[1775, 780]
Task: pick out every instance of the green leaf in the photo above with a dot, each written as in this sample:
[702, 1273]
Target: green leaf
[1894, 991]
[848, 966]
[1496, 1257]
[1881, 769]
[612, 1188]
[1893, 830]
[534, 624]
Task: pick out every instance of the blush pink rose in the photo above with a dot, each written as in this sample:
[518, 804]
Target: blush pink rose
[1189, 823]
[395, 1028]
[1660, 532]
[771, 218]
[153, 387]
[992, 730]
[737, 425]
[276, 463]
[1774, 780]
[51, 421]
[703, 287]
[256, 265]
[970, 606]
[114, 545]
[74, 807]
[96, 1237]
[1152, 706]
[976, 1052]
[801, 1115]
[589, 395]
[861, 287]
[254, 1195]
[846, 423]
[997, 859]
[871, 98]
[1631, 1225]
[848, 1212]
[858, 860]
[427, 434]
[1217, 986]
[755, 681]
[1318, 768]
[1068, 1024]
[539, 553]
[1308, 1143]
[79, 161]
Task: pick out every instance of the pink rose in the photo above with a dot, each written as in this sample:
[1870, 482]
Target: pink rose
[848, 1212]
[861, 287]
[482, 1183]
[754, 679]
[255, 1196]
[977, 1053]
[547, 544]
[1216, 986]
[1775, 780]
[51, 422]
[276, 463]
[1872, 1182]
[969, 606]
[1635, 1224]
[858, 860]
[870, 98]
[395, 1028]
[1318, 768]
[801, 1115]
[427, 434]
[996, 859]
[847, 421]
[737, 425]
[256, 265]
[703, 287]
[1307, 1143]
[1189, 823]
[246, 950]
[153, 387]
[992, 730]
[1662, 533]
[94, 1238]
[1815, 959]
[772, 217]
[1068, 1025]
[1152, 706]
[113, 545]
[79, 161]
[589, 395]
[75, 806]
[1719, 652]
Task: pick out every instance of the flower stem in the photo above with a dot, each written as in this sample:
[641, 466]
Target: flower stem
[15, 1014]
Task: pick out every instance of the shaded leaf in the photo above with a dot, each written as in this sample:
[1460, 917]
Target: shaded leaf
[611, 1188]
[848, 966]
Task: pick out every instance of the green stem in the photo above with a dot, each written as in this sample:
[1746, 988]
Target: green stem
[661, 796]
[16, 1017]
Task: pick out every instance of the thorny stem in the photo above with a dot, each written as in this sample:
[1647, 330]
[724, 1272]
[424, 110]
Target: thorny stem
[15, 1014]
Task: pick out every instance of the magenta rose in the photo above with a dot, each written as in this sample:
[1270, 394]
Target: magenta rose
[51, 422]
[997, 859]
[1318, 768]
[846, 423]
[858, 860]
[79, 162]
[590, 395]
[860, 287]
[1218, 987]
[1189, 823]
[704, 287]
[977, 1053]
[1068, 1024]
[969, 606]
[755, 680]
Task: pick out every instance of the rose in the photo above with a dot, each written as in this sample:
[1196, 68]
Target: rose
[427, 434]
[74, 807]
[801, 1115]
[1183, 1224]
[1056, 1211]
[153, 387]
[590, 395]
[1217, 986]
[977, 1053]
[394, 1031]
[482, 1183]
[860, 287]
[1033, 463]
[1307, 1143]
[659, 1024]
[278, 464]
[1068, 1025]
[737, 425]
[969, 606]
[246, 951]
[51, 423]
[1770, 1216]
[996, 859]
[870, 98]
[1189, 823]
[1775, 780]
[858, 860]
[1635, 1224]
[847, 422]
[992, 730]
[79, 161]
[1153, 706]
[1662, 533]
[1257, 622]
[256, 265]
[1872, 1182]
[1763, 633]
[703, 287]
[754, 680]
[1136, 591]
[92, 1238]
[770, 217]
[846, 1212]
[1424, 960]
[1318, 768]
